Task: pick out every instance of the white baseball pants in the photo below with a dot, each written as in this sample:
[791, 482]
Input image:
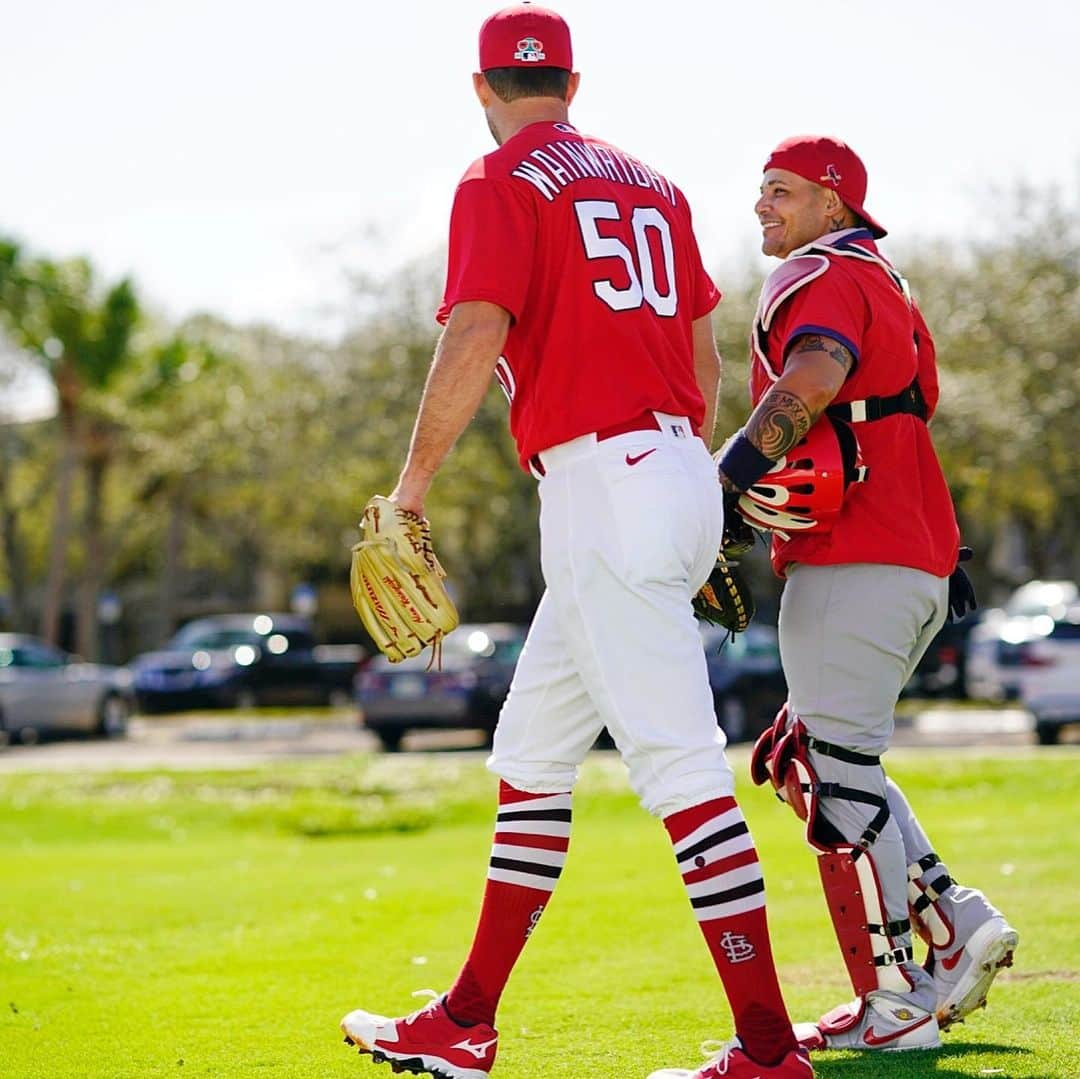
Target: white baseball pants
[630, 527]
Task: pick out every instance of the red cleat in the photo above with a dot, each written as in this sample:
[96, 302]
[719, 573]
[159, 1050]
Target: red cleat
[427, 1042]
[731, 1062]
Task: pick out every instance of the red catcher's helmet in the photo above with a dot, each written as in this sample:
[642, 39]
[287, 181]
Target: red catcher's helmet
[803, 491]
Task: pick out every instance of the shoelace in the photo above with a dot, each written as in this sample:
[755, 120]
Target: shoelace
[718, 1053]
[435, 998]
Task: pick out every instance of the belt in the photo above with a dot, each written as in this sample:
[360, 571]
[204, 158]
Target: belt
[645, 421]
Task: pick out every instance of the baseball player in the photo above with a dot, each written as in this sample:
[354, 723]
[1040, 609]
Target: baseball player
[844, 383]
[574, 276]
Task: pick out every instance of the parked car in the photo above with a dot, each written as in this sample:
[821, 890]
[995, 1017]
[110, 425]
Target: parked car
[244, 660]
[1054, 709]
[746, 678]
[1051, 689]
[1012, 650]
[45, 690]
[478, 663]
[466, 691]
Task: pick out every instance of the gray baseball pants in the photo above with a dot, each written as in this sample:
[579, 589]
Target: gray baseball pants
[850, 636]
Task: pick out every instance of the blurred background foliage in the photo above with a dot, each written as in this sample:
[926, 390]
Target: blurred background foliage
[205, 467]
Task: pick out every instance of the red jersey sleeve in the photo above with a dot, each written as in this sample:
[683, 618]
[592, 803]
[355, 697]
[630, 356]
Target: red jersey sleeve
[492, 241]
[832, 305]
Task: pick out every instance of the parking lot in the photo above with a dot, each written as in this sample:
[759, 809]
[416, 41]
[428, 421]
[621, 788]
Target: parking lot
[232, 740]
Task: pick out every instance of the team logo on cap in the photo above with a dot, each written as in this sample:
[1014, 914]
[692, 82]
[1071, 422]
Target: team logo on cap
[530, 50]
[831, 176]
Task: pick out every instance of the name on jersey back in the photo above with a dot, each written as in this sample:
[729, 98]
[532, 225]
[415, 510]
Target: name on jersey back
[554, 167]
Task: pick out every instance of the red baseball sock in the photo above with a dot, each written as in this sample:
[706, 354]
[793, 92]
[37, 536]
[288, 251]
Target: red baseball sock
[720, 869]
[532, 834]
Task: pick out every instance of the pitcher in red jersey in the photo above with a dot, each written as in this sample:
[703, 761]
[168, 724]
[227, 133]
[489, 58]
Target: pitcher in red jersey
[574, 277]
[840, 350]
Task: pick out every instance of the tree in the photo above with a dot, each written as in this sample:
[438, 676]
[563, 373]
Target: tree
[57, 313]
[1006, 318]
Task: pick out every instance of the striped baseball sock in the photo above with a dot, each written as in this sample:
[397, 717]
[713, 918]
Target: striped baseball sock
[532, 834]
[720, 869]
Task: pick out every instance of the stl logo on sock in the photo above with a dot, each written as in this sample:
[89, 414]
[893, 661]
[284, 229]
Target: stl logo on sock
[534, 920]
[737, 947]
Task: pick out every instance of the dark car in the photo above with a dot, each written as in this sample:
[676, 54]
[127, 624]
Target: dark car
[243, 660]
[746, 678]
[942, 670]
[466, 691]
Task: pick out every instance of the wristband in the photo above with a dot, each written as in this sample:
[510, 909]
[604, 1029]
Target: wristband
[743, 463]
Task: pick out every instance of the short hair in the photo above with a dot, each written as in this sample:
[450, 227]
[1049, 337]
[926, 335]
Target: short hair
[511, 83]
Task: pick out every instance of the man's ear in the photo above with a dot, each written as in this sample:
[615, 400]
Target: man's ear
[481, 88]
[834, 205]
[572, 85]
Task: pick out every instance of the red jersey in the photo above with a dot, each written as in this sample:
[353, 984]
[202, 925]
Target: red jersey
[903, 514]
[593, 255]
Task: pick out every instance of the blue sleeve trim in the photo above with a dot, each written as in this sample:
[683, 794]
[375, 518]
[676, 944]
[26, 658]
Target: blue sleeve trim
[824, 331]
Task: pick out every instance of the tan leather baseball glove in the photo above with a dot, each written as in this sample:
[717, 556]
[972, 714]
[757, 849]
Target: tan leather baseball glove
[397, 582]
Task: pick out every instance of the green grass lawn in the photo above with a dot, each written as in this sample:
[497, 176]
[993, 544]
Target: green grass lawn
[180, 924]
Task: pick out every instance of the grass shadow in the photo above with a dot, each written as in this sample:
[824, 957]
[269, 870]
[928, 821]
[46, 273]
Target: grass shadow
[938, 1063]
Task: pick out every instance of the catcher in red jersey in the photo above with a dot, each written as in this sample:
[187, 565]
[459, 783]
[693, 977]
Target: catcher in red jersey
[574, 277]
[837, 461]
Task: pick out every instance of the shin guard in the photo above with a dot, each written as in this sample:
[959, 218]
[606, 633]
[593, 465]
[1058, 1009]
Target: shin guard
[849, 877]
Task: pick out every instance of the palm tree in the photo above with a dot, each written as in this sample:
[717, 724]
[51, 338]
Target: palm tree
[56, 312]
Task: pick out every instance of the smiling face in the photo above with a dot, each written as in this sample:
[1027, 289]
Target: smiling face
[794, 212]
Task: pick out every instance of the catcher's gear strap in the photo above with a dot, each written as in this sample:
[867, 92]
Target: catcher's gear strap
[793, 775]
[848, 756]
[867, 939]
[909, 401]
[930, 918]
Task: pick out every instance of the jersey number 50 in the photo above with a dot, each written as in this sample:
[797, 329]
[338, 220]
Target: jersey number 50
[641, 272]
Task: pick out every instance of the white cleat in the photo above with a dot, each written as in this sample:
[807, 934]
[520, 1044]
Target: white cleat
[962, 978]
[882, 1021]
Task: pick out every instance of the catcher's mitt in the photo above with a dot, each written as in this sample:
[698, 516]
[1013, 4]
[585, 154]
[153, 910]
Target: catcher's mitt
[725, 598]
[397, 582]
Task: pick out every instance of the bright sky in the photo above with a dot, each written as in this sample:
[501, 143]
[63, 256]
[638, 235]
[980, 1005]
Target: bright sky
[236, 155]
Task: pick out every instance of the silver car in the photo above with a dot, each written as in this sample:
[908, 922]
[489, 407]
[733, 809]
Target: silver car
[43, 690]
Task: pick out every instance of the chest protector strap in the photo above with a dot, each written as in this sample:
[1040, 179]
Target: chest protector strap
[909, 401]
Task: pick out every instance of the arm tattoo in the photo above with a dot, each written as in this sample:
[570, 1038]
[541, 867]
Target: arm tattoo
[813, 342]
[779, 421]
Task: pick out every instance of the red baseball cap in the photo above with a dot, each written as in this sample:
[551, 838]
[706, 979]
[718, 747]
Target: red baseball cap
[828, 162]
[525, 35]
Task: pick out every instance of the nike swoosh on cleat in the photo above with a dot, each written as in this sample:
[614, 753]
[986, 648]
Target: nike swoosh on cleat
[883, 1039]
[631, 461]
[478, 1050]
[949, 961]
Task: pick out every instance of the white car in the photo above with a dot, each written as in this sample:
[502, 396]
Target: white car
[43, 689]
[1020, 651]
